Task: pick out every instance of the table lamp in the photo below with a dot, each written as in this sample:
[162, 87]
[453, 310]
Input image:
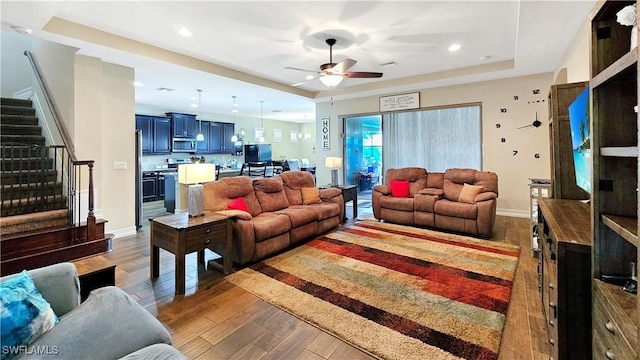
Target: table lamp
[334, 163]
[194, 175]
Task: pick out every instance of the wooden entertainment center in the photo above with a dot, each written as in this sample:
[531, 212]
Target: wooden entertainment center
[614, 199]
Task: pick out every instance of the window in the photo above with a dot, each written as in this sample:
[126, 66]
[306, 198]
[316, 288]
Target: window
[435, 139]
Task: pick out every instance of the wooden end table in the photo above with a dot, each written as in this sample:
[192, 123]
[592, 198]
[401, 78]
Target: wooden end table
[180, 234]
[349, 193]
[94, 272]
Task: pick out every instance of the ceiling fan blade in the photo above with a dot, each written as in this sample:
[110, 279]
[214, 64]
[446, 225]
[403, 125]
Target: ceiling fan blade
[298, 69]
[342, 66]
[362, 74]
[302, 82]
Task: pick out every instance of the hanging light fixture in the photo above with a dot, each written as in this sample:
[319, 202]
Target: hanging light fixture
[200, 136]
[261, 139]
[331, 80]
[234, 138]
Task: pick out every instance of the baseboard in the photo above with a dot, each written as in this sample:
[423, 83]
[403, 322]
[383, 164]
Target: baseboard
[24, 94]
[130, 231]
[512, 213]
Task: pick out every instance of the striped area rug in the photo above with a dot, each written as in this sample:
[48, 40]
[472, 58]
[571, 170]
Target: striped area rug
[394, 291]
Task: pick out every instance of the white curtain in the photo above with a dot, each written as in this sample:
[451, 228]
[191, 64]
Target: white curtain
[436, 139]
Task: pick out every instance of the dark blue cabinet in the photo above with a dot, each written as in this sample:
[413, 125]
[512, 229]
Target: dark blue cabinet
[156, 134]
[183, 125]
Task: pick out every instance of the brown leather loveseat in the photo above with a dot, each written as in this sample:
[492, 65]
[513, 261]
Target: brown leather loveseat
[277, 217]
[461, 200]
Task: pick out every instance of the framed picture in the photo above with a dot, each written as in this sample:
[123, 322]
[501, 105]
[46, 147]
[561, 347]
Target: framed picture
[277, 135]
[293, 136]
[400, 102]
[258, 133]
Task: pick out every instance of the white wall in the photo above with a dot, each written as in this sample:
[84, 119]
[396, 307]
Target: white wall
[13, 63]
[513, 171]
[576, 60]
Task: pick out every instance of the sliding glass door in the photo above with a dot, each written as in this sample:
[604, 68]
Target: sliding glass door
[363, 151]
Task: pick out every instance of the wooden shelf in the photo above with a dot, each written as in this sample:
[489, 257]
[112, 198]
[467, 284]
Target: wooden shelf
[621, 151]
[626, 61]
[627, 227]
[623, 308]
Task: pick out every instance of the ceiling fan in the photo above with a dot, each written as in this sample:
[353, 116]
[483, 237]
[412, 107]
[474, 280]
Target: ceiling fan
[331, 74]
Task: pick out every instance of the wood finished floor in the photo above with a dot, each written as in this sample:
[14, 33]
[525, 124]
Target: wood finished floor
[218, 320]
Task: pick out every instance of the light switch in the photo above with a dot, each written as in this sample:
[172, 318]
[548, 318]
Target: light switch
[119, 165]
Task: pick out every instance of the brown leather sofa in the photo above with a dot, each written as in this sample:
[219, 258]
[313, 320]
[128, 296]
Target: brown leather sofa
[277, 216]
[435, 200]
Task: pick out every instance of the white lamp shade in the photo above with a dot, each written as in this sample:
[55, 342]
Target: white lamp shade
[196, 173]
[333, 162]
[331, 80]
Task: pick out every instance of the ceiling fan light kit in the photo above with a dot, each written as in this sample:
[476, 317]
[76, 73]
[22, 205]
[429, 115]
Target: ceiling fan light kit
[331, 80]
[332, 74]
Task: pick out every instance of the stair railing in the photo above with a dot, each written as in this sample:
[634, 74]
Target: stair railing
[71, 169]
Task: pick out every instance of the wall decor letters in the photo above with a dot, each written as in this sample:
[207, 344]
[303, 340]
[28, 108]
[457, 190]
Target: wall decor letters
[400, 102]
[325, 133]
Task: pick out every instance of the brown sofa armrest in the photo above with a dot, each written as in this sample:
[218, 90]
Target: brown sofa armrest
[384, 189]
[329, 193]
[432, 191]
[489, 195]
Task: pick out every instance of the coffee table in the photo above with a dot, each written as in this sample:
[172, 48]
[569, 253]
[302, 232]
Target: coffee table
[180, 235]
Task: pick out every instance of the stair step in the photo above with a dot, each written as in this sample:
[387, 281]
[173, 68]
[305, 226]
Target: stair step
[18, 120]
[29, 223]
[21, 151]
[12, 129]
[32, 205]
[17, 177]
[30, 190]
[16, 102]
[17, 164]
[23, 139]
[17, 110]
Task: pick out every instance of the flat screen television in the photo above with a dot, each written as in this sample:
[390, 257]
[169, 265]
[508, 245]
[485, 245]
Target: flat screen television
[581, 139]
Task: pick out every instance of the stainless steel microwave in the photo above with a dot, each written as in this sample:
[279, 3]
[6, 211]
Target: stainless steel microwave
[183, 145]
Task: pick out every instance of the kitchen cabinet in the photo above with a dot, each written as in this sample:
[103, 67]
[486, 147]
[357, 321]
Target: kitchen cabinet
[149, 186]
[217, 138]
[162, 136]
[156, 134]
[183, 125]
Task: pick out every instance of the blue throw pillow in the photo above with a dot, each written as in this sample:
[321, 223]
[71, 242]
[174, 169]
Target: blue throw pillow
[24, 313]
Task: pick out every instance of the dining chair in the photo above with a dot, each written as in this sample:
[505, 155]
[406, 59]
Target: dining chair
[257, 169]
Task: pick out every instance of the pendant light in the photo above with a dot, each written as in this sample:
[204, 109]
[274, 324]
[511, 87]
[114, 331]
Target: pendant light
[234, 138]
[261, 139]
[200, 136]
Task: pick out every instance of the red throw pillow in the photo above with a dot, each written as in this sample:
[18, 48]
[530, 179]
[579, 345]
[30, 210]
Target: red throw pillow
[237, 204]
[400, 188]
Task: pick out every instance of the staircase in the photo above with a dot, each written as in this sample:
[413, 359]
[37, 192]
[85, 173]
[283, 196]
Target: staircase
[30, 182]
[37, 227]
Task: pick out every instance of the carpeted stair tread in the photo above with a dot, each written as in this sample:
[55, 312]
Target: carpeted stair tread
[16, 102]
[17, 110]
[26, 223]
[23, 139]
[7, 119]
[12, 129]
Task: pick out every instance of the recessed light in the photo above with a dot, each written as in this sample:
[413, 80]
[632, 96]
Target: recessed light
[309, 77]
[234, 110]
[194, 105]
[21, 30]
[185, 32]
[138, 83]
[454, 47]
